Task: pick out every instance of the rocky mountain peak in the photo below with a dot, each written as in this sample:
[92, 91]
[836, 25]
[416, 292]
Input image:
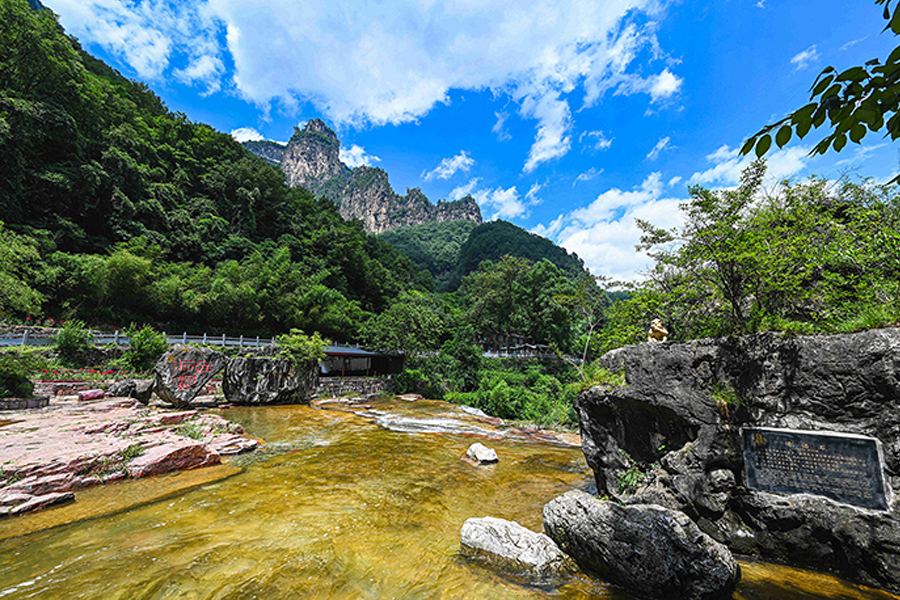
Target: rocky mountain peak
[312, 160]
[312, 157]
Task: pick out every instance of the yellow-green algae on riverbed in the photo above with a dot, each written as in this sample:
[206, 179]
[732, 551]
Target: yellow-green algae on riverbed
[334, 506]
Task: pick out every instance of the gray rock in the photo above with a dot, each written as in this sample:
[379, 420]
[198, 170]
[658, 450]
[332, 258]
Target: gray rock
[139, 389]
[652, 551]
[312, 159]
[481, 454]
[268, 381]
[513, 548]
[182, 372]
[668, 423]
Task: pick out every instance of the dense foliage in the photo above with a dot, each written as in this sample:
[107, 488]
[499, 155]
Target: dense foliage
[117, 210]
[854, 101]
[432, 246]
[811, 257]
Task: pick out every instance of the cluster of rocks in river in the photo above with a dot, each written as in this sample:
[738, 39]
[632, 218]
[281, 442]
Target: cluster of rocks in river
[49, 454]
[667, 454]
[183, 372]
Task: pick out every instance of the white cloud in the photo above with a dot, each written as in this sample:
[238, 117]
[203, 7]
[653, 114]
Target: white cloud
[727, 166]
[465, 189]
[246, 134]
[660, 87]
[860, 155]
[204, 69]
[356, 156]
[851, 43]
[448, 167]
[506, 204]
[554, 120]
[664, 85]
[596, 140]
[604, 233]
[503, 203]
[661, 145]
[801, 60]
[550, 230]
[498, 129]
[379, 63]
[675, 180]
[532, 198]
[587, 175]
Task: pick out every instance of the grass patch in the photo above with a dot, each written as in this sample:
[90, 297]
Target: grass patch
[190, 430]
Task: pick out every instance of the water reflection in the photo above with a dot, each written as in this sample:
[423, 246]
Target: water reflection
[335, 506]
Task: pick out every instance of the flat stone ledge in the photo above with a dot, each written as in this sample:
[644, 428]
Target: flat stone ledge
[24, 403]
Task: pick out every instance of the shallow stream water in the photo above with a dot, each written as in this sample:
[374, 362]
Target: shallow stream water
[362, 503]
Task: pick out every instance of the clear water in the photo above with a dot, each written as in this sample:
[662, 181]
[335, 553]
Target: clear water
[337, 505]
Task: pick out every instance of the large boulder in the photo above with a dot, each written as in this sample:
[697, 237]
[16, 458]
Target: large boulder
[139, 389]
[251, 380]
[182, 372]
[513, 548]
[672, 436]
[651, 551]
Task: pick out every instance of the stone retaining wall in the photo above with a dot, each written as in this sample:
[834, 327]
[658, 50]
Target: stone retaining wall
[338, 386]
[23, 403]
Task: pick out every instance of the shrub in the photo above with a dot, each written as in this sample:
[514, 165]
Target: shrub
[73, 341]
[15, 367]
[301, 348]
[144, 348]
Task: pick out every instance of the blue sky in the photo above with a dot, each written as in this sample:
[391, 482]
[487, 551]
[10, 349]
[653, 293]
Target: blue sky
[569, 119]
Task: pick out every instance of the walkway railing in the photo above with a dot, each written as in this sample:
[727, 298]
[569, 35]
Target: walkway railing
[120, 339]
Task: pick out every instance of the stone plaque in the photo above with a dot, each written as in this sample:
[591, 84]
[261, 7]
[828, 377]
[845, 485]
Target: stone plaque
[844, 467]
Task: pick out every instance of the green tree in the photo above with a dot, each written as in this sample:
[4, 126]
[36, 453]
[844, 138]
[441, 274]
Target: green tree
[854, 101]
[19, 259]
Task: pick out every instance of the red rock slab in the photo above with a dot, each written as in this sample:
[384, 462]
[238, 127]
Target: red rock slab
[173, 418]
[38, 502]
[225, 445]
[172, 457]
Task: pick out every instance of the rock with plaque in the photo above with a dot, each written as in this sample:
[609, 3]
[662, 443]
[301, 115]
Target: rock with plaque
[183, 371]
[844, 467]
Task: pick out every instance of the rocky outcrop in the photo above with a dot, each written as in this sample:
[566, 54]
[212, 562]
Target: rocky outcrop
[312, 159]
[48, 454]
[182, 372]
[510, 547]
[268, 381]
[269, 151]
[652, 551]
[671, 436]
[139, 389]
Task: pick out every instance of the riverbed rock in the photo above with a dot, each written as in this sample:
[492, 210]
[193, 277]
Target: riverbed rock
[481, 454]
[72, 445]
[652, 551]
[182, 372]
[139, 389]
[172, 457]
[675, 428]
[510, 547]
[255, 381]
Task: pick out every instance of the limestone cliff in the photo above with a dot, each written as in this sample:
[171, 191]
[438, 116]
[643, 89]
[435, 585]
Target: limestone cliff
[312, 159]
[672, 436]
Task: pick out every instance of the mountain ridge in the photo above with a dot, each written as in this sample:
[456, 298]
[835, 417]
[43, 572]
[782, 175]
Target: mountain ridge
[311, 159]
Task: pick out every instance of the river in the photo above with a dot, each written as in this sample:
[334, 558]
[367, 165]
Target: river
[339, 504]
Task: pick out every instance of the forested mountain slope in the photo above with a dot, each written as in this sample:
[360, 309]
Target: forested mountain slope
[126, 211]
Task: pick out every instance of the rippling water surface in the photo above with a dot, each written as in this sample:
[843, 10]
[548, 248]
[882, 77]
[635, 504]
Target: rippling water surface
[337, 505]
